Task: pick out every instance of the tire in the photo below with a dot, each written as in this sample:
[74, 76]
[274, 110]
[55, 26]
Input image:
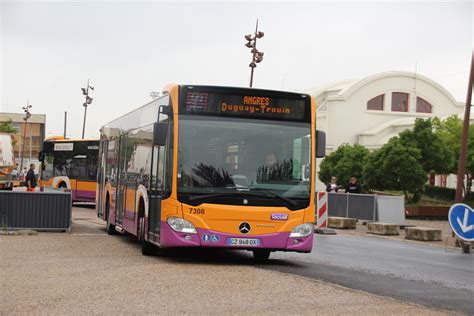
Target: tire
[148, 249]
[261, 255]
[62, 186]
[110, 228]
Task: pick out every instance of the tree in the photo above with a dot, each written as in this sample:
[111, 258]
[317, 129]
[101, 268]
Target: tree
[396, 167]
[7, 127]
[450, 131]
[346, 162]
[435, 157]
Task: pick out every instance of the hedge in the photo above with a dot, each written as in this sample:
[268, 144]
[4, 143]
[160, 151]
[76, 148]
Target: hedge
[446, 194]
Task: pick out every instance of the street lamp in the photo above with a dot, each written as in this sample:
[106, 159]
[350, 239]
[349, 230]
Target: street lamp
[257, 56]
[85, 92]
[154, 95]
[26, 109]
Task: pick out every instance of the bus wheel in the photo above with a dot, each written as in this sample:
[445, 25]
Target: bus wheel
[109, 226]
[148, 249]
[62, 186]
[261, 255]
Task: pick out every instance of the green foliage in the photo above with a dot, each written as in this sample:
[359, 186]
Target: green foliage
[440, 193]
[435, 156]
[7, 127]
[347, 161]
[450, 132]
[396, 166]
[446, 194]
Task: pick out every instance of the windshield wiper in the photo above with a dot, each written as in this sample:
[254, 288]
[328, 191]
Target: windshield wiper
[245, 192]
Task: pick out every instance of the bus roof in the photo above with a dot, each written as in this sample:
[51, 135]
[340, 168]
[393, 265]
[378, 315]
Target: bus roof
[169, 87]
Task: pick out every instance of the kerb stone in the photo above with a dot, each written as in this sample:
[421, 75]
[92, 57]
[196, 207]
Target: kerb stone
[422, 233]
[384, 229]
[342, 223]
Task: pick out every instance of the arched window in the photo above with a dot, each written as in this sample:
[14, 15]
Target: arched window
[423, 106]
[376, 103]
[400, 102]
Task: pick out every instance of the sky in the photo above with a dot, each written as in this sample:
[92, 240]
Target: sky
[49, 49]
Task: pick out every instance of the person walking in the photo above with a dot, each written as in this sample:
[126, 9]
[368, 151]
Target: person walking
[30, 178]
[332, 186]
[353, 186]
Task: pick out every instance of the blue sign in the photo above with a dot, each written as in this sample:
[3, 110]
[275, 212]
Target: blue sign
[206, 237]
[215, 238]
[461, 219]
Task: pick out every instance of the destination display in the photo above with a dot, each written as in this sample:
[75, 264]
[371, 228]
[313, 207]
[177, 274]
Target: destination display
[270, 107]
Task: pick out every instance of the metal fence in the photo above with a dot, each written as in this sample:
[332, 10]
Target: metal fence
[45, 211]
[367, 207]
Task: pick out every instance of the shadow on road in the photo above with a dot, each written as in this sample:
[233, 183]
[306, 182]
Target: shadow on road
[209, 256]
[84, 205]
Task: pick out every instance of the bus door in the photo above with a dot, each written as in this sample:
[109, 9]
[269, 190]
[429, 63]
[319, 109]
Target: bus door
[101, 178]
[84, 185]
[122, 180]
[154, 210]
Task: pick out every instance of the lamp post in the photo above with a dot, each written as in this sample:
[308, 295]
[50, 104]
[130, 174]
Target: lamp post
[463, 150]
[85, 92]
[257, 56]
[26, 109]
[155, 95]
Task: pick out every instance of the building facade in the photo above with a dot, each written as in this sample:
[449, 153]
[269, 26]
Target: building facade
[372, 110]
[28, 140]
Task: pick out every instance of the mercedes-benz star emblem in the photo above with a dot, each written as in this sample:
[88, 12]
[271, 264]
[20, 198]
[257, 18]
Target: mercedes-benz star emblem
[244, 228]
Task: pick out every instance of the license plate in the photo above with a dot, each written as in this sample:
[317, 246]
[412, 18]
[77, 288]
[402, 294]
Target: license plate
[252, 242]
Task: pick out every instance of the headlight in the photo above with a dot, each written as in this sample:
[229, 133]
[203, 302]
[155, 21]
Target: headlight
[302, 230]
[181, 225]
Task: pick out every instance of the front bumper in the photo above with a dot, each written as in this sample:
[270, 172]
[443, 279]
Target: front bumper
[276, 241]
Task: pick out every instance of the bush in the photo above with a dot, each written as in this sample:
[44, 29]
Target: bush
[446, 194]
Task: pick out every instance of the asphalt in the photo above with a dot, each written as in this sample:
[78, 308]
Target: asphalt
[415, 272]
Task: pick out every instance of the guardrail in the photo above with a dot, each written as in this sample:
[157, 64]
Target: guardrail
[367, 207]
[43, 211]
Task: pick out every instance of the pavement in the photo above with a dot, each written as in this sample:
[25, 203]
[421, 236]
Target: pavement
[89, 272]
[447, 239]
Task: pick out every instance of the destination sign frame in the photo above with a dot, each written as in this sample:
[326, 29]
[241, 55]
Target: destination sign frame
[245, 103]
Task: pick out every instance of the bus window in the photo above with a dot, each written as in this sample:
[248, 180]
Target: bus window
[48, 171]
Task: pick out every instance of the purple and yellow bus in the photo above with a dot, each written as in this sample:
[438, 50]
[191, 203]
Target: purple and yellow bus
[215, 167]
[70, 164]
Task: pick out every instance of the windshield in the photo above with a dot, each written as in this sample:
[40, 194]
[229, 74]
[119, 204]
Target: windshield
[220, 157]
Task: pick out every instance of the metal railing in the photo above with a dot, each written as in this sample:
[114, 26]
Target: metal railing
[46, 211]
[367, 207]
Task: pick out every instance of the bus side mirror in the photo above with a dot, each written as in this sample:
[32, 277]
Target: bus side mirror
[41, 156]
[160, 133]
[320, 144]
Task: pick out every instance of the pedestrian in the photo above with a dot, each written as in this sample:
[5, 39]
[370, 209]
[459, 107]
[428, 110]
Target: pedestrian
[30, 178]
[14, 173]
[23, 174]
[353, 186]
[332, 186]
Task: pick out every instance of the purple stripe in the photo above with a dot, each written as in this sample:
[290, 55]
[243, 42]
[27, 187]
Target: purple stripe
[85, 196]
[129, 225]
[276, 241]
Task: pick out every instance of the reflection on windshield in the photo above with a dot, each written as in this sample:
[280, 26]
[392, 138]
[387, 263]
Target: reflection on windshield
[216, 156]
[206, 176]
